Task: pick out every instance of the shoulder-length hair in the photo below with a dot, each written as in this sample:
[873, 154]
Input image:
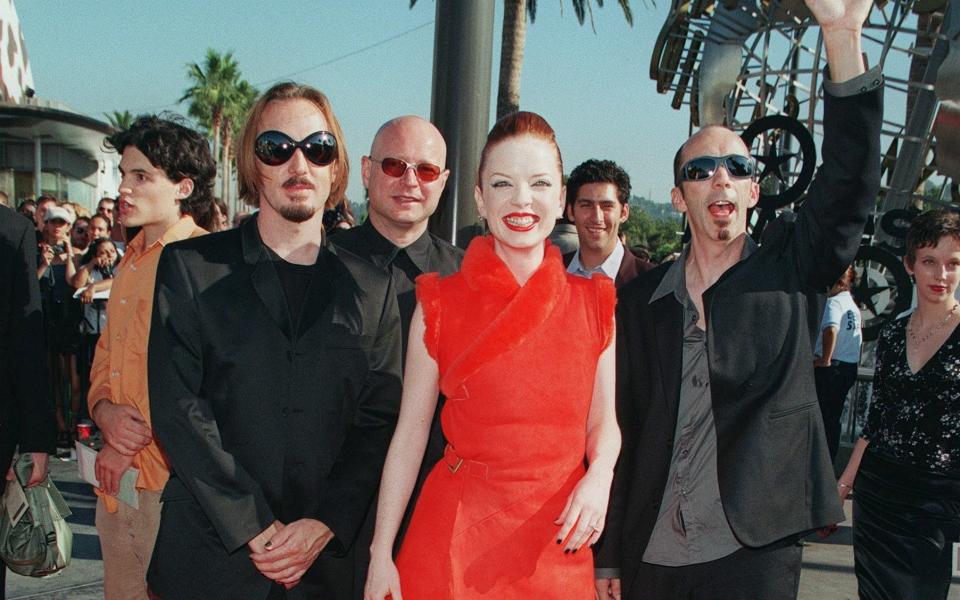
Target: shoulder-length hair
[247, 164]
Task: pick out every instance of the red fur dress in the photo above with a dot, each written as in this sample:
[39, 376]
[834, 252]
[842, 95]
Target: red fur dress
[517, 365]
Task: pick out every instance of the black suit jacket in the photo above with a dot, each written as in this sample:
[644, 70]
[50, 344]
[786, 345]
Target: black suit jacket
[630, 266]
[774, 471]
[25, 416]
[263, 423]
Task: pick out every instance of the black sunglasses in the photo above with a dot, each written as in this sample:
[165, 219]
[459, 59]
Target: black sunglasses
[700, 168]
[275, 148]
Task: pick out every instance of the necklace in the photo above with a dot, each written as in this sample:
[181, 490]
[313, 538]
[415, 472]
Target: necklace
[917, 339]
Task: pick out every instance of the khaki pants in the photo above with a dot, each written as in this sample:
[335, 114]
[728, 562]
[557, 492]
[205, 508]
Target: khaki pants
[126, 542]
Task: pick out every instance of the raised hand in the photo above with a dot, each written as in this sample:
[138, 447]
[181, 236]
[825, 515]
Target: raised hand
[46, 254]
[841, 22]
[840, 14]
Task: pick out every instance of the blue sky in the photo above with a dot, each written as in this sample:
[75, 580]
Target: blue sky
[374, 59]
[99, 56]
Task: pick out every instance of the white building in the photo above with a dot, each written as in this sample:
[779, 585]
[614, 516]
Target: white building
[46, 147]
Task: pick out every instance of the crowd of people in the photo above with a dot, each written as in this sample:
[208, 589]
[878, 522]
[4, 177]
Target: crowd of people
[317, 408]
[76, 249]
[78, 254]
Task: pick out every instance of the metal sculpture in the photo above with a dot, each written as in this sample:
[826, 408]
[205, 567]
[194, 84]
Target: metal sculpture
[757, 67]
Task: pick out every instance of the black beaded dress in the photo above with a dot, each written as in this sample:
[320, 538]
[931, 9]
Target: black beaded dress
[907, 491]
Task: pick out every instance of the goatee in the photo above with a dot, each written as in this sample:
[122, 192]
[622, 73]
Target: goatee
[723, 235]
[297, 213]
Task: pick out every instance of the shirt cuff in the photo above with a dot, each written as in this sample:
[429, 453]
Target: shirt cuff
[860, 84]
[606, 573]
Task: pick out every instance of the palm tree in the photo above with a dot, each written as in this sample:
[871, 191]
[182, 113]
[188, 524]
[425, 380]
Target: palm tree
[119, 120]
[212, 85]
[219, 101]
[513, 39]
[235, 112]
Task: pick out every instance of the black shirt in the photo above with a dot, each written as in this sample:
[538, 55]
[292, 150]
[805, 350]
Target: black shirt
[428, 254]
[296, 280]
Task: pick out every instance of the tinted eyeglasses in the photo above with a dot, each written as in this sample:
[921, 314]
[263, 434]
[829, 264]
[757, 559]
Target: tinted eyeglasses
[700, 168]
[275, 148]
[394, 167]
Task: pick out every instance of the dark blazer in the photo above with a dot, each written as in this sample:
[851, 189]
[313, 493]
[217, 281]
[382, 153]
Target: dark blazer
[26, 418]
[261, 423]
[774, 470]
[630, 266]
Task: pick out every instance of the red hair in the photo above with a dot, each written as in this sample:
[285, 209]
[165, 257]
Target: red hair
[516, 125]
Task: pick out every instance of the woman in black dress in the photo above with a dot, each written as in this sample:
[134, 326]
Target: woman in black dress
[906, 467]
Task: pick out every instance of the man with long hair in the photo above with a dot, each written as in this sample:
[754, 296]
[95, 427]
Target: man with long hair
[274, 378]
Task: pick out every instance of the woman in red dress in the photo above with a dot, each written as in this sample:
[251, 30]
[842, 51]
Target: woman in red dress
[524, 354]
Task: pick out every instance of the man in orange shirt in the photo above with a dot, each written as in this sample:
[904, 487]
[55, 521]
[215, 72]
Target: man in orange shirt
[167, 180]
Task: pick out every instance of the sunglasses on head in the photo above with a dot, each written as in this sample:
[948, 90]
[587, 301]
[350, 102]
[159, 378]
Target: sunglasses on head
[700, 168]
[275, 148]
[394, 167]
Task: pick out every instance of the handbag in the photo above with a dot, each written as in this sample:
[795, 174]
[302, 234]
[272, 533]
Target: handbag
[40, 543]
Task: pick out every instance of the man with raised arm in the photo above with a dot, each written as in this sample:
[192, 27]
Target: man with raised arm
[724, 462]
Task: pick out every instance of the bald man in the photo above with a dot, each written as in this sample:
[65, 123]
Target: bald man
[405, 174]
[724, 462]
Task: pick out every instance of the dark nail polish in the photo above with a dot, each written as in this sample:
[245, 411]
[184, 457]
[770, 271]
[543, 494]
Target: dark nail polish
[574, 550]
[567, 551]
[559, 542]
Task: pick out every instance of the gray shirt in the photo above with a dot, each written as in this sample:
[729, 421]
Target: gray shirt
[691, 526]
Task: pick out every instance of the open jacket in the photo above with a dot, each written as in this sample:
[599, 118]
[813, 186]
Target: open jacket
[774, 471]
[263, 421]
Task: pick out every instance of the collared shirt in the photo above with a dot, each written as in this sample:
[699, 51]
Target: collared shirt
[609, 267]
[119, 371]
[405, 265]
[691, 526]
